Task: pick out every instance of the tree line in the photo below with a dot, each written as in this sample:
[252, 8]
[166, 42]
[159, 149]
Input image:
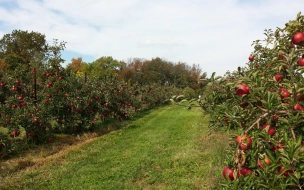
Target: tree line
[142, 71]
[23, 49]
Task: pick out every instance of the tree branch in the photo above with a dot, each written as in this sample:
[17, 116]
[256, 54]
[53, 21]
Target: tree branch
[257, 122]
[293, 134]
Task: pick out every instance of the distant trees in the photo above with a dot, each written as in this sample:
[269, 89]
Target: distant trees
[76, 65]
[143, 71]
[20, 50]
[162, 72]
[104, 66]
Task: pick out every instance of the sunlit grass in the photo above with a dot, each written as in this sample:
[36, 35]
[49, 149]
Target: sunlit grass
[169, 148]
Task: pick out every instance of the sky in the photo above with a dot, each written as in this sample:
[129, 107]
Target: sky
[215, 34]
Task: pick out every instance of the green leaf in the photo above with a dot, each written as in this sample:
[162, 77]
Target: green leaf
[287, 84]
[274, 59]
[293, 177]
[294, 60]
[255, 74]
[300, 90]
[301, 166]
[298, 16]
[264, 102]
[217, 77]
[270, 155]
[284, 120]
[212, 76]
[299, 140]
[229, 84]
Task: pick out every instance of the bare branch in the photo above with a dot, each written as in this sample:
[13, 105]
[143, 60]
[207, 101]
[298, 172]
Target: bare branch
[293, 133]
[257, 122]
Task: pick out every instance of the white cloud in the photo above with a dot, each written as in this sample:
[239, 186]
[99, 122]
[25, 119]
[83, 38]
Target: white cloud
[215, 34]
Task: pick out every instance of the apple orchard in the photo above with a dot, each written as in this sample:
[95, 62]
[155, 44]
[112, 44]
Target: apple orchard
[263, 103]
[39, 98]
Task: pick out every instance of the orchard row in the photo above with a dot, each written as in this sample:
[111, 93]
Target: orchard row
[264, 103]
[42, 102]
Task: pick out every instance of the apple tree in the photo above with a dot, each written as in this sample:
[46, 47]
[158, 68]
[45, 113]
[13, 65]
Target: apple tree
[263, 103]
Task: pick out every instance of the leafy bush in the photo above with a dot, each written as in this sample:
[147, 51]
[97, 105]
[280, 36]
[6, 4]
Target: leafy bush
[189, 93]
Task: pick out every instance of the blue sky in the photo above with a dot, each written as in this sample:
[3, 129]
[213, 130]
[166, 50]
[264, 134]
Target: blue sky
[216, 34]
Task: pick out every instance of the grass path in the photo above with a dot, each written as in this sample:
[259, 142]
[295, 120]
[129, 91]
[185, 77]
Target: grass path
[169, 148]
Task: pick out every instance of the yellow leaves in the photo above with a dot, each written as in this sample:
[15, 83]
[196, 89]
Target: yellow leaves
[76, 64]
[79, 74]
[3, 65]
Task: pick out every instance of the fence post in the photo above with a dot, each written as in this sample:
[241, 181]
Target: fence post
[35, 86]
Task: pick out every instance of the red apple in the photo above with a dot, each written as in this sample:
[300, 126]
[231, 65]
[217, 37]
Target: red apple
[298, 38]
[244, 104]
[278, 77]
[4, 156]
[279, 146]
[226, 120]
[282, 57]
[228, 172]
[251, 58]
[301, 61]
[17, 82]
[286, 173]
[14, 88]
[284, 93]
[244, 142]
[269, 129]
[244, 171]
[31, 134]
[49, 85]
[20, 98]
[35, 120]
[298, 107]
[15, 133]
[261, 164]
[275, 117]
[2, 85]
[299, 97]
[243, 89]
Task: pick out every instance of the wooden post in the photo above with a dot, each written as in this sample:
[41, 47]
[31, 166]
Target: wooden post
[35, 85]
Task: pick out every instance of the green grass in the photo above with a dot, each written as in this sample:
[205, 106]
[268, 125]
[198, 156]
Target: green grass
[169, 148]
